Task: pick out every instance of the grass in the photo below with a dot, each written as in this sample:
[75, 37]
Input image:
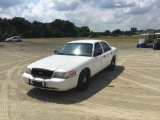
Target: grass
[112, 40]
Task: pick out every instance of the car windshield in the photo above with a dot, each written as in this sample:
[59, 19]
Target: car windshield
[76, 49]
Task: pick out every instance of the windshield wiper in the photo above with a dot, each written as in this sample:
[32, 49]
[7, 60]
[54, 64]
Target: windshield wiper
[59, 53]
[71, 54]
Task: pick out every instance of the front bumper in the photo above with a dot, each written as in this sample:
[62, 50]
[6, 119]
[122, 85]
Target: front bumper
[56, 84]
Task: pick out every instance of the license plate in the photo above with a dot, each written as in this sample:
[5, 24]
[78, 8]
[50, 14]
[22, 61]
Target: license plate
[37, 84]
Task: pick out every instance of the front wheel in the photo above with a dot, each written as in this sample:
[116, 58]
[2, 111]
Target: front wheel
[137, 46]
[83, 81]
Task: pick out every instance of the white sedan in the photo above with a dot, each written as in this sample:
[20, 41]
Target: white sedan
[71, 66]
[13, 39]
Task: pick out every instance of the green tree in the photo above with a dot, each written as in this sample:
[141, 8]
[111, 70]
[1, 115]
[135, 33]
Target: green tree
[83, 31]
[20, 23]
[116, 32]
[107, 33]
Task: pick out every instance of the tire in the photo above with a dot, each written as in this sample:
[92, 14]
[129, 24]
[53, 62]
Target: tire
[83, 81]
[154, 46]
[137, 46]
[112, 64]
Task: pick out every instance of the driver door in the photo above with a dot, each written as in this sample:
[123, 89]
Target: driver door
[97, 58]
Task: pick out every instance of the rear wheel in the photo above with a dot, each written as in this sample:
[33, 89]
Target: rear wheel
[154, 47]
[83, 81]
[112, 64]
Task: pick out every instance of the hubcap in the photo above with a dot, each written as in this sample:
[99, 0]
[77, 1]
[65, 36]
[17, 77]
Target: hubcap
[112, 62]
[84, 80]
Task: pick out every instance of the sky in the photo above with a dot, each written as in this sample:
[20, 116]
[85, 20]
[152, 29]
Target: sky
[98, 15]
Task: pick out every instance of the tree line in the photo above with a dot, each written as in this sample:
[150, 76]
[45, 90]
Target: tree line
[19, 26]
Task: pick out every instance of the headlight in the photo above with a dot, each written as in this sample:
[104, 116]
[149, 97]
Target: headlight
[64, 75]
[28, 71]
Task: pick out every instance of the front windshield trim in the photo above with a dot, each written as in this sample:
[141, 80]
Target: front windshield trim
[76, 49]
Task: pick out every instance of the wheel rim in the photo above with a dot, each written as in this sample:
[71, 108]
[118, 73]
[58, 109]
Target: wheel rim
[84, 80]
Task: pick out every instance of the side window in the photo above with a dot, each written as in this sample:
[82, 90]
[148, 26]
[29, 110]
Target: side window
[14, 38]
[97, 48]
[105, 46]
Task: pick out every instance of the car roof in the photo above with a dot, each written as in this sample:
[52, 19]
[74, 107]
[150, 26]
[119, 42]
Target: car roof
[147, 34]
[14, 36]
[157, 33]
[86, 41]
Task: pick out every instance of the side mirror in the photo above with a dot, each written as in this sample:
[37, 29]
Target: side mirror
[55, 51]
[97, 53]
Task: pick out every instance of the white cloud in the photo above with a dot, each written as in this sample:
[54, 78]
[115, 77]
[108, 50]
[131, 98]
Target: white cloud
[99, 15]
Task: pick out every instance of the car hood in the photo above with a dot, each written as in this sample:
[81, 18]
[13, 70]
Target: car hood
[7, 39]
[60, 62]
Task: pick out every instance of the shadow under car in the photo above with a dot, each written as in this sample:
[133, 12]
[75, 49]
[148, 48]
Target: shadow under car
[97, 83]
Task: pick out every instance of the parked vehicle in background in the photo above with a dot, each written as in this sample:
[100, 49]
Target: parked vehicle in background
[13, 39]
[145, 40]
[71, 66]
[156, 42]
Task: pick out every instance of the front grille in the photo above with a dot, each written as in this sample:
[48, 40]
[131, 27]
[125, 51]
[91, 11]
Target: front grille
[41, 73]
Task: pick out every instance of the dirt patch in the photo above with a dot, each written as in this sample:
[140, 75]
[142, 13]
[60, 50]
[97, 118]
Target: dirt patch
[131, 91]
